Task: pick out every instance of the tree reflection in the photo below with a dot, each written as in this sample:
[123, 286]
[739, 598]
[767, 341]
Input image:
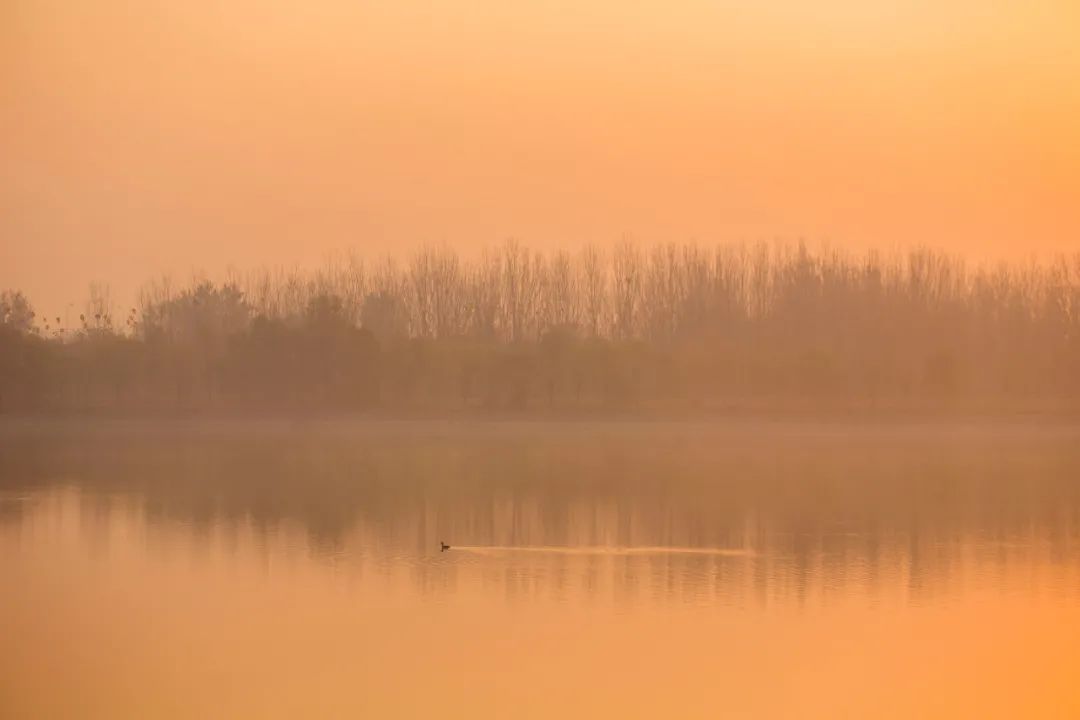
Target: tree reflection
[644, 513]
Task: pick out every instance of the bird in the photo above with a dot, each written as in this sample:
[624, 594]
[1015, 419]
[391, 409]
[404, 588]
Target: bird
[443, 547]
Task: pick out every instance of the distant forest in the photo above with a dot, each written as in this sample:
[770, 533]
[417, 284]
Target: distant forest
[628, 329]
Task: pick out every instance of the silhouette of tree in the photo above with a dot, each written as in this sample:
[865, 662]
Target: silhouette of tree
[633, 329]
[16, 313]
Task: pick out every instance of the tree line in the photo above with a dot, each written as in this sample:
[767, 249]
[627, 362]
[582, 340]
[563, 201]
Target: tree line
[513, 329]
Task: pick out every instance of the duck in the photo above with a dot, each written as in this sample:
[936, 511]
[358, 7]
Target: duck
[443, 547]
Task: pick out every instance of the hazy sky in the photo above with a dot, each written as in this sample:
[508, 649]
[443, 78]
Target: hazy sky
[139, 136]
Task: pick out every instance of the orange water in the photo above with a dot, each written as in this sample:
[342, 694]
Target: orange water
[597, 571]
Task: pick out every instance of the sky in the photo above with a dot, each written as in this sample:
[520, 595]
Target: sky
[147, 137]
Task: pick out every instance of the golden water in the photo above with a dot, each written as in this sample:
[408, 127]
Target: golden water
[627, 570]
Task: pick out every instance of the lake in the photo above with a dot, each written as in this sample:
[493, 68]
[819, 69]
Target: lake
[756, 569]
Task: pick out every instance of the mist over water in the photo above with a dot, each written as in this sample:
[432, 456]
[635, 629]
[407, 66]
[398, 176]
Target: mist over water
[283, 566]
[486, 360]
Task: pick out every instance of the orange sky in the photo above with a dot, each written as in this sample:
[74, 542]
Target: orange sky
[150, 136]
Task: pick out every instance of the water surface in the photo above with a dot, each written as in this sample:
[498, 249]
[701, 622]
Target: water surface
[755, 569]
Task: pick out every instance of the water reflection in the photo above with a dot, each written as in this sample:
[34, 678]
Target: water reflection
[629, 570]
[764, 516]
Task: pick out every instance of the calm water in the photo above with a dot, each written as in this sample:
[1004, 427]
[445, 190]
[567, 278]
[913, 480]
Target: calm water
[759, 570]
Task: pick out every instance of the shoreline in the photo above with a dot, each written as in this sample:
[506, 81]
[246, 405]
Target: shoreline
[745, 418]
